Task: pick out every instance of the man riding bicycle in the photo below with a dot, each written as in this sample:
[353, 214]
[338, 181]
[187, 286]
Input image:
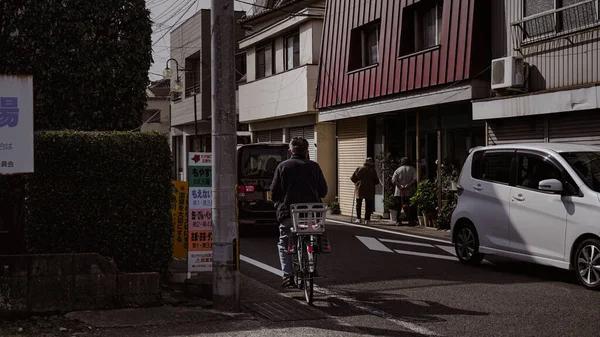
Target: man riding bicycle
[296, 180]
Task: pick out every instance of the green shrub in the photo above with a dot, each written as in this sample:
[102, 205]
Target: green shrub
[104, 192]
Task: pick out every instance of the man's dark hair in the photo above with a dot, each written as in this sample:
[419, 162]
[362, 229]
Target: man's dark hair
[299, 146]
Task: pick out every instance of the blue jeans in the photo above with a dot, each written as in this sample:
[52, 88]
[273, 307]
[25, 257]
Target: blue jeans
[287, 262]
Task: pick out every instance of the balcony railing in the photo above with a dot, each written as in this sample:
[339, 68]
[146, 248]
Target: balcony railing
[191, 89]
[555, 24]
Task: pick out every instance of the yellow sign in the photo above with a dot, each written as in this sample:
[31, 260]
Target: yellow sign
[179, 213]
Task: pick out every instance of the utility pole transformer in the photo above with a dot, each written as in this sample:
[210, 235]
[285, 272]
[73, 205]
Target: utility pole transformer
[225, 234]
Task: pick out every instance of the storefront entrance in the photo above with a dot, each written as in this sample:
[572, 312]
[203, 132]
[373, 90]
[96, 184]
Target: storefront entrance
[448, 132]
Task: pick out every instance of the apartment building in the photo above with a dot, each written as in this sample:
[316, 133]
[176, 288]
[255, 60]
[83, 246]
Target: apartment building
[398, 77]
[190, 47]
[282, 49]
[545, 72]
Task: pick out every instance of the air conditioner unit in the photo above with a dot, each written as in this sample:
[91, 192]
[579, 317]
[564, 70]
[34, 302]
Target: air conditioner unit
[508, 73]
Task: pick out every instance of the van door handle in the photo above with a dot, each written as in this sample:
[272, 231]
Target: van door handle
[478, 188]
[519, 198]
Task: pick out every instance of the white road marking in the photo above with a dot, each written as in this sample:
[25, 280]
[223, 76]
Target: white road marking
[448, 249]
[434, 256]
[373, 244]
[336, 222]
[407, 243]
[351, 301]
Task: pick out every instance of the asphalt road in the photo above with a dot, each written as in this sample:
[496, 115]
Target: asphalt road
[395, 285]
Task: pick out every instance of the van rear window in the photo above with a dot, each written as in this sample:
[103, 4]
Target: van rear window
[261, 162]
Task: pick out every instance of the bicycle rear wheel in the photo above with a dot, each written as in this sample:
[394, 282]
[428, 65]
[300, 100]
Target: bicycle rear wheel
[309, 259]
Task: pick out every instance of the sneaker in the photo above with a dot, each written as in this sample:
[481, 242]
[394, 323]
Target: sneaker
[357, 221]
[367, 222]
[288, 282]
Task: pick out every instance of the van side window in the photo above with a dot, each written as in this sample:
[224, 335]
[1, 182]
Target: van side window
[533, 169]
[496, 167]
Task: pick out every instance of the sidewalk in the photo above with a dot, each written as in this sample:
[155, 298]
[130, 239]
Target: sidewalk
[264, 312]
[430, 232]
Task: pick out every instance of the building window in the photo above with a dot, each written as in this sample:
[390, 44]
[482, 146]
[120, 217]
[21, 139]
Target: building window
[292, 51]
[192, 75]
[265, 60]
[240, 67]
[421, 26]
[364, 46]
[544, 17]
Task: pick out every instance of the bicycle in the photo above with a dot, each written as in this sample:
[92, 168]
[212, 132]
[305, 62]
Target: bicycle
[305, 243]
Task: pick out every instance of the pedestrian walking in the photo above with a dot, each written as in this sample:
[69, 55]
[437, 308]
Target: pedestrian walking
[405, 180]
[365, 179]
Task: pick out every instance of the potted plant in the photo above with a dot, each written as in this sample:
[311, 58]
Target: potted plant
[334, 206]
[426, 200]
[391, 204]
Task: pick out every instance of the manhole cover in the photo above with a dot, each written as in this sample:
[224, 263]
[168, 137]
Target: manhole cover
[285, 311]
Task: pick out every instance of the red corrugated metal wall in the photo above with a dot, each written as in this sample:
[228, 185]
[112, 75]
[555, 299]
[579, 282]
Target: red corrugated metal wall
[448, 63]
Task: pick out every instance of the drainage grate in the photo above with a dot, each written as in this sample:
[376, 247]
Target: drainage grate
[285, 311]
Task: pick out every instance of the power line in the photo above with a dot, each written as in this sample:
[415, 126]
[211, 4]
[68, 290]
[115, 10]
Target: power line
[279, 10]
[176, 22]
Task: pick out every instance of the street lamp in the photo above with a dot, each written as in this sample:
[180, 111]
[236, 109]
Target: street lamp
[178, 87]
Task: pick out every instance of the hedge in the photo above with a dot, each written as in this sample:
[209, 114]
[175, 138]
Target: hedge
[103, 192]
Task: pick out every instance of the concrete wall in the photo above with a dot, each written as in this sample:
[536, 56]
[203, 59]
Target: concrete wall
[327, 155]
[162, 104]
[67, 282]
[288, 93]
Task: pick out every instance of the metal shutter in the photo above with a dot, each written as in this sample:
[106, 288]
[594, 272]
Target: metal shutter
[352, 151]
[581, 127]
[277, 136]
[309, 135]
[516, 130]
[263, 136]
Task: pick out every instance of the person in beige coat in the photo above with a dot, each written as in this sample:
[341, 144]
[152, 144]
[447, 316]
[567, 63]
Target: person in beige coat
[405, 180]
[365, 179]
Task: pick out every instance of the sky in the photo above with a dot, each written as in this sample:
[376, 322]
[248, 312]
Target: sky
[167, 15]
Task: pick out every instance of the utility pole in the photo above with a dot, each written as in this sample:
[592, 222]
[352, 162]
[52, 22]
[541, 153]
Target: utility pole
[226, 284]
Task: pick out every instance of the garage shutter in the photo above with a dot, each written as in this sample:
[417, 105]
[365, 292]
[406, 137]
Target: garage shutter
[263, 136]
[308, 133]
[277, 136]
[516, 130]
[580, 127]
[352, 151]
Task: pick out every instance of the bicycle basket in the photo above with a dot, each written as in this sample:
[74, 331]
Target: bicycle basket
[309, 218]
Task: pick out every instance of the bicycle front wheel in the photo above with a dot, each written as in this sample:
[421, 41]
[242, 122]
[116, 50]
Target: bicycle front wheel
[309, 263]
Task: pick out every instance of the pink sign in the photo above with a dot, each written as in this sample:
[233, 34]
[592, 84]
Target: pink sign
[200, 219]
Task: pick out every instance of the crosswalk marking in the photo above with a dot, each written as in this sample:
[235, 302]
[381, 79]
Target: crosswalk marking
[373, 244]
[435, 256]
[419, 244]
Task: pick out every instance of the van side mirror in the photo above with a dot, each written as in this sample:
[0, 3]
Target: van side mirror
[551, 185]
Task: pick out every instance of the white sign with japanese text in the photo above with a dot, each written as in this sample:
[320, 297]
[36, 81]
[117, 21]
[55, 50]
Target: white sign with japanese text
[16, 124]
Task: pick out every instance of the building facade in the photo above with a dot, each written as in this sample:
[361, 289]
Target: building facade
[282, 50]
[156, 116]
[190, 46]
[554, 47]
[398, 77]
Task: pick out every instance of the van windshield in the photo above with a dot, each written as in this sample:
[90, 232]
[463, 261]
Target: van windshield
[261, 162]
[587, 166]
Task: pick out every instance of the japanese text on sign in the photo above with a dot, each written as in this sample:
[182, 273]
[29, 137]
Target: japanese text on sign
[9, 111]
[200, 218]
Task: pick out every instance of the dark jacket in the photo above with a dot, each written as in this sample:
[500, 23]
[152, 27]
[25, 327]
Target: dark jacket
[365, 178]
[297, 180]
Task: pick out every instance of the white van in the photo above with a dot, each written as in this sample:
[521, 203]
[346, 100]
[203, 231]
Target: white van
[538, 203]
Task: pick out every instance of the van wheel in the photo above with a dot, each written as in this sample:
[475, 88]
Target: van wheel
[587, 264]
[466, 245]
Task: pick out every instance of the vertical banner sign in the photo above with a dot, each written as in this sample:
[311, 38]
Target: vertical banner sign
[200, 212]
[179, 213]
[16, 124]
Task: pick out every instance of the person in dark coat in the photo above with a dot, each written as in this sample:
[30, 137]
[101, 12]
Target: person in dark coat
[296, 180]
[365, 179]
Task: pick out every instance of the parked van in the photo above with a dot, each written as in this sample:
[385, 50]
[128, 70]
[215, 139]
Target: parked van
[256, 168]
[538, 203]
